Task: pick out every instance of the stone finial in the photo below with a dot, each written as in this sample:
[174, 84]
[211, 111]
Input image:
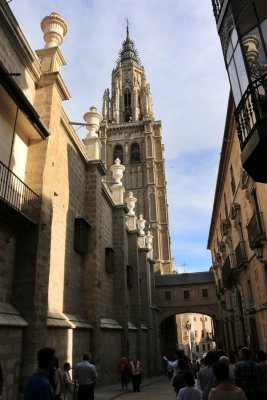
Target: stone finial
[117, 172]
[130, 201]
[251, 44]
[54, 28]
[149, 240]
[141, 223]
[92, 119]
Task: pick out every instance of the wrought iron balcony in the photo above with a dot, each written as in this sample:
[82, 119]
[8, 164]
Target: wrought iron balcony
[17, 195]
[229, 271]
[217, 5]
[256, 231]
[251, 120]
[240, 255]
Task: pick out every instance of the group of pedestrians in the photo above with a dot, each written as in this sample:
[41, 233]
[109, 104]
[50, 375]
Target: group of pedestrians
[233, 377]
[130, 371]
[49, 382]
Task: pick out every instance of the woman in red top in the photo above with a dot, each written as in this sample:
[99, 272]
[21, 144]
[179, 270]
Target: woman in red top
[124, 371]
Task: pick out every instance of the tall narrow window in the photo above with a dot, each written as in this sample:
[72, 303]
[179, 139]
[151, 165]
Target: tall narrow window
[129, 271]
[81, 236]
[250, 295]
[225, 206]
[127, 106]
[186, 295]
[135, 153]
[118, 153]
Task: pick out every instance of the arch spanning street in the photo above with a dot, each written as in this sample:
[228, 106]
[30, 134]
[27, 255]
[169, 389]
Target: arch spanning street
[186, 293]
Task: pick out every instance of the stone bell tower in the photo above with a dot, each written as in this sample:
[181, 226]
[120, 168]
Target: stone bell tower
[130, 132]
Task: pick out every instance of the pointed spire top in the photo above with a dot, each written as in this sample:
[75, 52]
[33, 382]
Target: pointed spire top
[128, 51]
[127, 29]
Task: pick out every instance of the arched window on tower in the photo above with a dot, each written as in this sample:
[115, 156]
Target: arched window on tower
[127, 106]
[118, 153]
[135, 153]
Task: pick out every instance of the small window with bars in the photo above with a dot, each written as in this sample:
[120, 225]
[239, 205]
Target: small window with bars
[109, 260]
[186, 295]
[205, 293]
[129, 270]
[81, 236]
[167, 295]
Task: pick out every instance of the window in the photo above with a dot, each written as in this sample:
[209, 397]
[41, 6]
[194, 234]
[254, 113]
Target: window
[135, 153]
[206, 319]
[127, 106]
[167, 295]
[118, 153]
[197, 348]
[202, 333]
[81, 236]
[195, 319]
[196, 334]
[129, 270]
[109, 260]
[186, 295]
[208, 346]
[250, 295]
[203, 347]
[205, 293]
[236, 68]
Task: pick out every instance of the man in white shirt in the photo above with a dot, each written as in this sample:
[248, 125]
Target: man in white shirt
[86, 375]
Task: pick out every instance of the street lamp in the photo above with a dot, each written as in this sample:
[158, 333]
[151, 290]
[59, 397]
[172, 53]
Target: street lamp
[188, 328]
[242, 27]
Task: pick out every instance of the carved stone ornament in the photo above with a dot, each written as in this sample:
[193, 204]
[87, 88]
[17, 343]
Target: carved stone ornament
[141, 223]
[149, 240]
[130, 201]
[117, 172]
[234, 210]
[54, 28]
[251, 44]
[225, 227]
[92, 119]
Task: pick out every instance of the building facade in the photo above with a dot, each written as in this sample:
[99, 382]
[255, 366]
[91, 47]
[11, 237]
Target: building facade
[237, 241]
[77, 264]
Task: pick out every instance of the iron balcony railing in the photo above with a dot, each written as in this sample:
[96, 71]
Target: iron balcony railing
[240, 254]
[228, 269]
[252, 109]
[256, 231]
[16, 194]
[217, 5]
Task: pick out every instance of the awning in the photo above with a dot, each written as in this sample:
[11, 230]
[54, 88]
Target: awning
[19, 98]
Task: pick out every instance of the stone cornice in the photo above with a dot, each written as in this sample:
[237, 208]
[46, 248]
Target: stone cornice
[51, 78]
[10, 25]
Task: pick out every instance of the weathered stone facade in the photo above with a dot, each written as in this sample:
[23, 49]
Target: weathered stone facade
[77, 271]
[129, 132]
[237, 240]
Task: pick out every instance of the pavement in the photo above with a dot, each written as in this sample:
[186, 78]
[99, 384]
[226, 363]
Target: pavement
[113, 391]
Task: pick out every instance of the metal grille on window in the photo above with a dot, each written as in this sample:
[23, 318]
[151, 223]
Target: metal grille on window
[81, 236]
[109, 260]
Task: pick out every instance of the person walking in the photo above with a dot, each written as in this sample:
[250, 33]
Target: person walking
[248, 374]
[1, 382]
[206, 375]
[224, 389]
[135, 367]
[123, 368]
[39, 384]
[189, 392]
[86, 375]
[57, 381]
[68, 384]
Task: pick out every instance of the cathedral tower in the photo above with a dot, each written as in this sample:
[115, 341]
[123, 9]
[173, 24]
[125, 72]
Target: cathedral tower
[130, 132]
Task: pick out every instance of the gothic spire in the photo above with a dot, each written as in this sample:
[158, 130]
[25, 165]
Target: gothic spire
[128, 51]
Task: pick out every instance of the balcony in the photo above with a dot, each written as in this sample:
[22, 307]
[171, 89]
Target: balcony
[256, 231]
[240, 255]
[18, 198]
[229, 271]
[251, 120]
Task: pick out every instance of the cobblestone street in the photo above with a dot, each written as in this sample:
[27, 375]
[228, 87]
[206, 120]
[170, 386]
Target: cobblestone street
[151, 388]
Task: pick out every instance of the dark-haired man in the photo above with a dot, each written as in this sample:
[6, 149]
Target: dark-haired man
[86, 375]
[248, 374]
[38, 385]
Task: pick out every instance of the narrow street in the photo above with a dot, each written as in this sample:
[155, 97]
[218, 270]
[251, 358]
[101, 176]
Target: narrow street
[151, 388]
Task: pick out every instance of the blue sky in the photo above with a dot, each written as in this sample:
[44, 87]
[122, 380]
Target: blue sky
[180, 49]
